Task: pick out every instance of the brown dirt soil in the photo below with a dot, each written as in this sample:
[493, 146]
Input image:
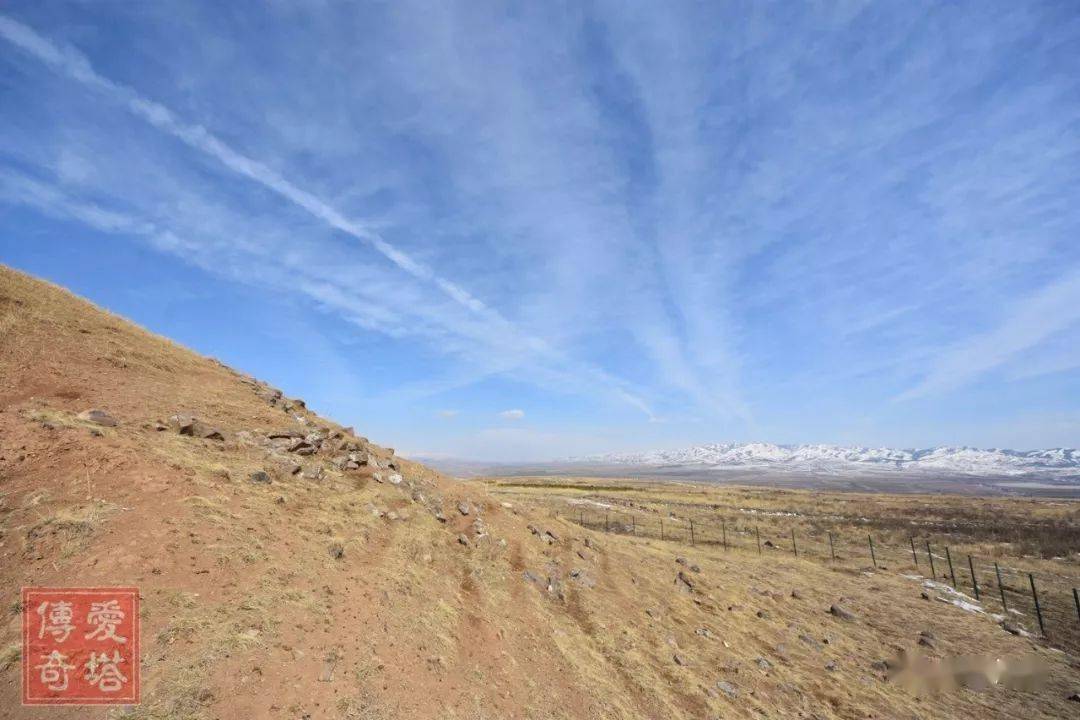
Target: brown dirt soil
[246, 613]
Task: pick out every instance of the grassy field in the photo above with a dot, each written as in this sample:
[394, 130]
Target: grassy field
[332, 595]
[909, 534]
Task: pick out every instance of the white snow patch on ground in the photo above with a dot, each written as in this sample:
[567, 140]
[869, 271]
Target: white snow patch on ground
[594, 503]
[770, 513]
[955, 597]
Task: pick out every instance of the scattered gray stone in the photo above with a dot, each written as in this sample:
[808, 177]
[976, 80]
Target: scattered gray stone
[763, 614]
[795, 595]
[270, 395]
[287, 434]
[314, 472]
[337, 550]
[728, 689]
[301, 446]
[193, 427]
[393, 479]
[530, 577]
[97, 417]
[554, 587]
[260, 477]
[763, 664]
[683, 583]
[680, 660]
[812, 642]
[463, 507]
[841, 613]
[831, 666]
[582, 578]
[464, 540]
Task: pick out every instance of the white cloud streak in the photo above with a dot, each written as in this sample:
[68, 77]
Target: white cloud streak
[73, 64]
[1046, 312]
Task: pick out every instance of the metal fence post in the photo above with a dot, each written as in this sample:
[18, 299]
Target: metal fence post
[952, 573]
[692, 533]
[661, 528]
[930, 554]
[794, 547]
[607, 521]
[1076, 601]
[581, 517]
[873, 558]
[1001, 588]
[633, 524]
[974, 580]
[832, 552]
[1035, 596]
[913, 555]
[723, 528]
[757, 530]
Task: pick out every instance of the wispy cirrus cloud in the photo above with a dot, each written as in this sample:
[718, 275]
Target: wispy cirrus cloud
[1046, 312]
[72, 63]
[751, 222]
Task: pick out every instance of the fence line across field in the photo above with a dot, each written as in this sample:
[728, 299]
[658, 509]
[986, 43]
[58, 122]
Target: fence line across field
[1017, 590]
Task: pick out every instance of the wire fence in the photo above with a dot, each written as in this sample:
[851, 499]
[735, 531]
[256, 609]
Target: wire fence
[1047, 605]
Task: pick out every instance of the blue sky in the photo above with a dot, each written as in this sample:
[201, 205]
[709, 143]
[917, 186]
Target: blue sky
[537, 230]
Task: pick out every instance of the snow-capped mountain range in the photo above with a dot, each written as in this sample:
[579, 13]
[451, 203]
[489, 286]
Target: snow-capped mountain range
[832, 459]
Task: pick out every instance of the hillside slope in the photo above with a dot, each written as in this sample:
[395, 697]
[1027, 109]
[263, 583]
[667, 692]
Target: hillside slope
[365, 586]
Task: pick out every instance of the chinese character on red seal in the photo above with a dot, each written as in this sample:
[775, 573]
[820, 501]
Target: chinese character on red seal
[80, 646]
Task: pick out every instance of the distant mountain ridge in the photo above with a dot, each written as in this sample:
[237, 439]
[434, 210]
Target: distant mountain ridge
[833, 459]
